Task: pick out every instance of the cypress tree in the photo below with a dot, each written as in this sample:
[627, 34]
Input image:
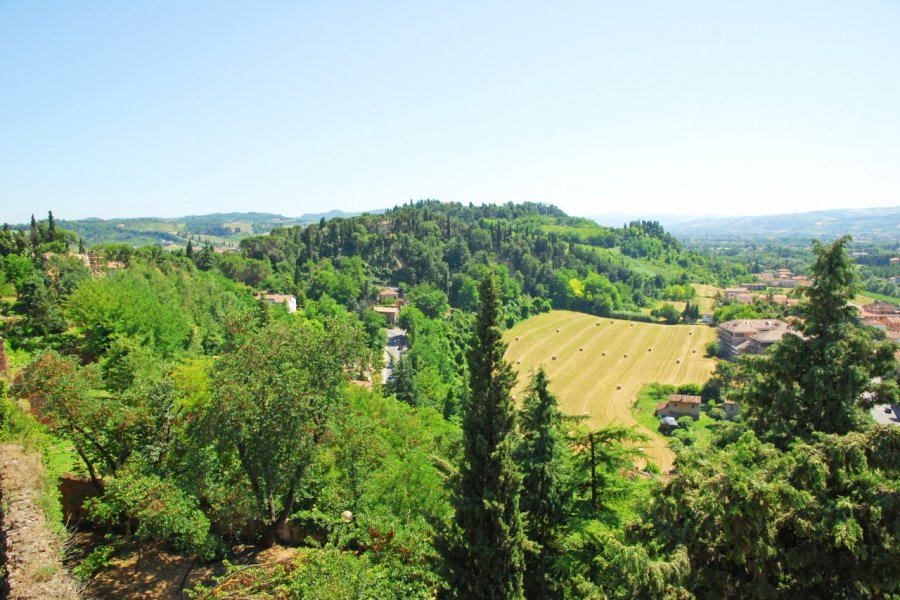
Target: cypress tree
[542, 458]
[189, 250]
[485, 557]
[35, 240]
[402, 382]
[51, 226]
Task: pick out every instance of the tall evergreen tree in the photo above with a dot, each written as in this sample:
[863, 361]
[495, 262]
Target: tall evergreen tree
[485, 556]
[51, 227]
[189, 250]
[402, 382]
[542, 458]
[35, 234]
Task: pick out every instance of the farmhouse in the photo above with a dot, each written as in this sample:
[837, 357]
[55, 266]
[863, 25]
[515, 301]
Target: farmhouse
[288, 300]
[679, 405]
[388, 295]
[392, 313]
[749, 336]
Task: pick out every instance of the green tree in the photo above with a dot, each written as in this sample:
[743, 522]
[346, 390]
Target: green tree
[485, 559]
[402, 382]
[430, 300]
[817, 521]
[60, 391]
[542, 457]
[668, 313]
[272, 398]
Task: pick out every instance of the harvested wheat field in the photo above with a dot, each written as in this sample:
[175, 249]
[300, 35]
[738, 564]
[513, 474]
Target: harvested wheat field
[598, 369]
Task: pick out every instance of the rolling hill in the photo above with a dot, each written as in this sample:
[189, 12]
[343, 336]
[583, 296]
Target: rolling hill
[863, 223]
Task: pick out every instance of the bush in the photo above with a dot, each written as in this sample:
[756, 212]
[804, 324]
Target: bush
[717, 414]
[712, 349]
[689, 389]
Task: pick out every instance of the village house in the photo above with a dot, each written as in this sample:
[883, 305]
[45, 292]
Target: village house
[679, 405]
[391, 313]
[749, 336]
[289, 301]
[388, 295]
[738, 295]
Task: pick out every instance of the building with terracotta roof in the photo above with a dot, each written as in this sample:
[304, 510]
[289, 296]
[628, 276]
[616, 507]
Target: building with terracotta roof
[749, 336]
[391, 313]
[679, 405]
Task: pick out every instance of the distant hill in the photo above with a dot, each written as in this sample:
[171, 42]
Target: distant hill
[863, 223]
[220, 229]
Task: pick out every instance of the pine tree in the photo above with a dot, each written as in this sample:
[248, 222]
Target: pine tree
[485, 557]
[189, 250]
[542, 458]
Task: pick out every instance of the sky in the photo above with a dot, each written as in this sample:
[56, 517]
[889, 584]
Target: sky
[164, 108]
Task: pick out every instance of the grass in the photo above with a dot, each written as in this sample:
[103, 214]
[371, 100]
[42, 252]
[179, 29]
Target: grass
[882, 297]
[706, 296]
[604, 386]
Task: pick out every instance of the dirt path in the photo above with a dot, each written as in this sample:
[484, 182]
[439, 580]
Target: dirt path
[33, 550]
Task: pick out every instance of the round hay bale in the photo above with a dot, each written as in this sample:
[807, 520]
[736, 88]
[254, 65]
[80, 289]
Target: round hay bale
[619, 387]
[554, 357]
[690, 333]
[598, 322]
[517, 338]
[626, 356]
[649, 349]
[557, 331]
[518, 362]
[631, 324]
[603, 354]
[581, 349]
[693, 352]
[678, 362]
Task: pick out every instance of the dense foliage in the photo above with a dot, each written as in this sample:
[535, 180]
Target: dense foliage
[205, 416]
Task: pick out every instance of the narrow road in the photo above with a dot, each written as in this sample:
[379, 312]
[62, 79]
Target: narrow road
[397, 344]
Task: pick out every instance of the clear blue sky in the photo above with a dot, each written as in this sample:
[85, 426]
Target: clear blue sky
[170, 108]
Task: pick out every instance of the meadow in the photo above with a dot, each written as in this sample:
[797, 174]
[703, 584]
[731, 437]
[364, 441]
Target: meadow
[598, 365]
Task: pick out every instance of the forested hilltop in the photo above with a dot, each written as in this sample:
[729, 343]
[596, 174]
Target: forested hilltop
[541, 254]
[203, 419]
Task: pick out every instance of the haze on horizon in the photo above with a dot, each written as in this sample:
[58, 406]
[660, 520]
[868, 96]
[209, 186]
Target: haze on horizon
[168, 109]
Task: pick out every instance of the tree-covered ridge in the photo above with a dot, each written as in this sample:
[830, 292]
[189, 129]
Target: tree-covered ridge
[542, 254]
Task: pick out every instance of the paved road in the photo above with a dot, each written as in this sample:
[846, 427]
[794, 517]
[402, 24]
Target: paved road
[396, 345]
[886, 418]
